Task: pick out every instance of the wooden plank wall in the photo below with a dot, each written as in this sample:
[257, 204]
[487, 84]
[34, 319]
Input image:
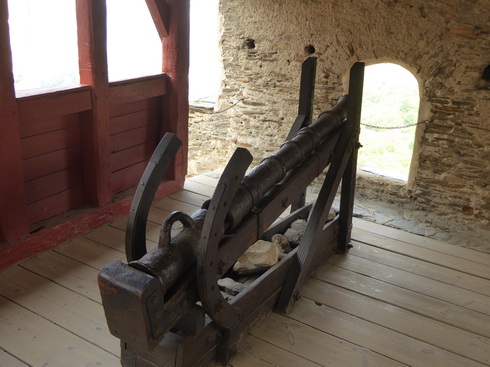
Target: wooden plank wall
[51, 143]
[135, 124]
[51, 149]
[71, 148]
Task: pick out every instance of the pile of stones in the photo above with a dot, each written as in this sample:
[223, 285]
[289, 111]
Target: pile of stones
[260, 257]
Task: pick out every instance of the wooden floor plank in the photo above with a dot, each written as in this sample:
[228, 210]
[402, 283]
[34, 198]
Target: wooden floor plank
[199, 188]
[7, 360]
[121, 224]
[73, 312]
[171, 204]
[42, 343]
[205, 180]
[423, 268]
[381, 340]
[315, 345]
[422, 253]
[190, 197]
[421, 241]
[460, 317]
[113, 235]
[108, 235]
[257, 353]
[152, 234]
[398, 319]
[90, 252]
[158, 215]
[67, 272]
[414, 282]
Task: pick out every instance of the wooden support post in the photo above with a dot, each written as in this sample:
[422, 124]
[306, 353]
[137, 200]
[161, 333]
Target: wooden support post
[176, 66]
[305, 112]
[13, 208]
[356, 82]
[92, 49]
[306, 96]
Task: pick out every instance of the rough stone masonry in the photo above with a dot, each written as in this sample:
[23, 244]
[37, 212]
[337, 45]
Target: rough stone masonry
[444, 43]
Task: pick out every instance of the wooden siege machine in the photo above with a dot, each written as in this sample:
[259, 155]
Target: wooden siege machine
[166, 306]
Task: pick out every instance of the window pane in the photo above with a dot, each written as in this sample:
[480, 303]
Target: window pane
[204, 73]
[43, 36]
[134, 48]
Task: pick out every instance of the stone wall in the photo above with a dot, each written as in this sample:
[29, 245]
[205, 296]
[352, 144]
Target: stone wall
[444, 43]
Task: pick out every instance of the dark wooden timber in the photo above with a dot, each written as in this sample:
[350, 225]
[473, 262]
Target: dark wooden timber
[145, 192]
[310, 243]
[356, 81]
[305, 110]
[306, 96]
[208, 262]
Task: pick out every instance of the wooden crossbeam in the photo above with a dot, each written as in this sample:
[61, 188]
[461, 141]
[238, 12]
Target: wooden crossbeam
[160, 13]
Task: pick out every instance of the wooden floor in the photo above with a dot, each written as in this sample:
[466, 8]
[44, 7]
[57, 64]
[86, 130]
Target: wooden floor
[396, 299]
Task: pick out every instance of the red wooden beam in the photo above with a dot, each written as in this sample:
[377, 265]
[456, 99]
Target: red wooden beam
[54, 104]
[13, 209]
[160, 13]
[127, 91]
[176, 66]
[92, 49]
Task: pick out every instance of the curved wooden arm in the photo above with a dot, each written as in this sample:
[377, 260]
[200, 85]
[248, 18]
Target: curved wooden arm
[145, 192]
[208, 262]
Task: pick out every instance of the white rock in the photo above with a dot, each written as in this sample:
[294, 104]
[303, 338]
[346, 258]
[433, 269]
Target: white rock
[296, 231]
[258, 258]
[230, 286]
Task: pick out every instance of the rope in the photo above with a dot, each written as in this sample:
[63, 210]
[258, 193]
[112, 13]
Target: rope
[367, 125]
[397, 127]
[226, 109]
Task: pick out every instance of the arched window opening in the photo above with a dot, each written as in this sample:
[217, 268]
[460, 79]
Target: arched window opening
[390, 103]
[43, 38]
[134, 48]
[204, 73]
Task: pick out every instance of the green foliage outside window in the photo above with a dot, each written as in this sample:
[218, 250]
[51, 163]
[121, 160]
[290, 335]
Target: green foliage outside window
[391, 99]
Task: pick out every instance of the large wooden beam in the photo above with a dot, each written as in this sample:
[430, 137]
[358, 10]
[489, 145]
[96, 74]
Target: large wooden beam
[159, 11]
[127, 91]
[92, 49]
[176, 66]
[13, 208]
[53, 104]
